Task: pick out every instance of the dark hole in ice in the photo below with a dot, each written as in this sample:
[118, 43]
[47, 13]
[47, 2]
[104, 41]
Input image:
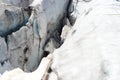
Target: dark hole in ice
[26, 59]
[2, 63]
[45, 54]
[25, 50]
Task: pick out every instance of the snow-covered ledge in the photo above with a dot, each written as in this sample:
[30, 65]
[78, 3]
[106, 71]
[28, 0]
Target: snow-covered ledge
[39, 74]
[92, 48]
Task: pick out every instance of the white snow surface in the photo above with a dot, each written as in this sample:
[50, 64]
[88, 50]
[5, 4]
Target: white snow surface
[91, 50]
